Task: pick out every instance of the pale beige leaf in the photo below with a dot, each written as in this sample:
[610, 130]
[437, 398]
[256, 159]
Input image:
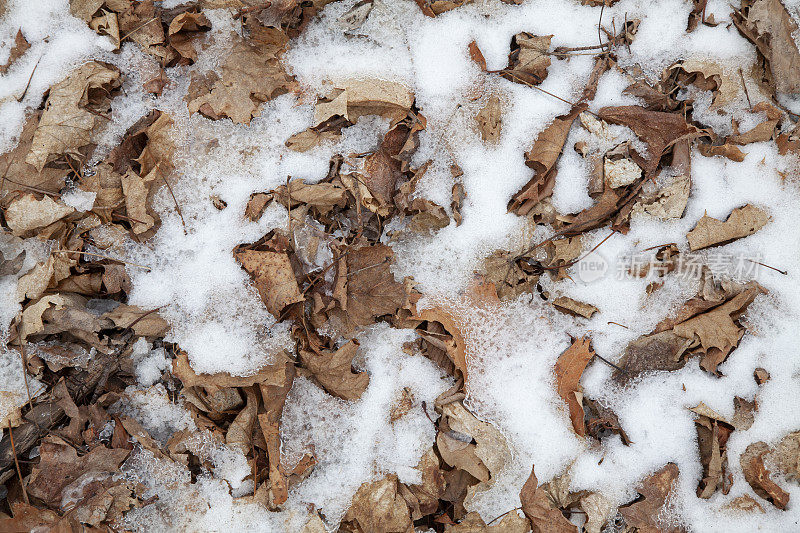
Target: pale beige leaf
[489, 120]
[742, 221]
[26, 213]
[334, 371]
[273, 277]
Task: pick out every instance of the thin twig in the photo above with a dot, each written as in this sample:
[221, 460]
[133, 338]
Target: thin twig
[137, 28]
[169, 187]
[609, 363]
[784, 272]
[502, 515]
[102, 257]
[30, 78]
[16, 463]
[618, 324]
[599, 37]
[744, 85]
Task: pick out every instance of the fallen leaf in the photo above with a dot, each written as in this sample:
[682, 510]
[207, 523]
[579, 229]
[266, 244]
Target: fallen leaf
[542, 159]
[184, 30]
[545, 517]
[726, 150]
[574, 307]
[378, 506]
[354, 98]
[477, 56]
[569, 369]
[271, 374]
[742, 221]
[25, 213]
[18, 50]
[669, 201]
[658, 129]
[473, 523]
[60, 465]
[240, 432]
[334, 371]
[529, 59]
[489, 120]
[757, 475]
[768, 25]
[273, 278]
[248, 75]
[763, 131]
[655, 490]
[74, 112]
[661, 351]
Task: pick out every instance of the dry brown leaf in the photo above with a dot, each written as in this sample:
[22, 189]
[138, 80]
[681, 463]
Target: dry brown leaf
[455, 345]
[354, 98]
[574, 307]
[457, 202]
[427, 216]
[473, 523]
[542, 159]
[489, 120]
[757, 475]
[25, 213]
[726, 150]
[569, 369]
[658, 129]
[136, 191]
[771, 28]
[371, 288]
[334, 371]
[745, 503]
[786, 456]
[440, 6]
[143, 323]
[545, 517]
[742, 221]
[184, 30]
[18, 50]
[273, 277]
[659, 351]
[107, 24]
[249, 75]
[763, 131]
[669, 201]
[272, 374]
[378, 506]
[240, 432]
[529, 59]
[310, 138]
[655, 490]
[60, 465]
[70, 119]
[470, 444]
[321, 196]
[476, 55]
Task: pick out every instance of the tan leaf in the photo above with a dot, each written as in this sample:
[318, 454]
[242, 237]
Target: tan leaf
[542, 159]
[574, 307]
[240, 432]
[745, 503]
[427, 216]
[136, 191]
[18, 50]
[537, 506]
[143, 323]
[771, 28]
[107, 24]
[184, 30]
[322, 196]
[26, 213]
[272, 374]
[334, 371]
[763, 131]
[354, 98]
[786, 456]
[726, 150]
[248, 75]
[658, 129]
[273, 277]
[476, 55]
[569, 369]
[598, 510]
[742, 221]
[310, 138]
[655, 491]
[659, 351]
[529, 59]
[454, 346]
[669, 201]
[378, 506]
[70, 119]
[440, 6]
[489, 120]
[473, 523]
[757, 475]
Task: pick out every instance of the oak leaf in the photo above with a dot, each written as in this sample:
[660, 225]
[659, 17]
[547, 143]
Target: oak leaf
[742, 221]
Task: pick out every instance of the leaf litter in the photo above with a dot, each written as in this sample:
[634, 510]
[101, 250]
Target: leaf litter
[309, 266]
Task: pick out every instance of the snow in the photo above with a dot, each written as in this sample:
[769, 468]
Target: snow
[218, 319]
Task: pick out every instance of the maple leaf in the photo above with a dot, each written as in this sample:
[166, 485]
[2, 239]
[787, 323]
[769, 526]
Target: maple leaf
[248, 75]
[569, 369]
[334, 371]
[378, 506]
[273, 277]
[654, 490]
[545, 517]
